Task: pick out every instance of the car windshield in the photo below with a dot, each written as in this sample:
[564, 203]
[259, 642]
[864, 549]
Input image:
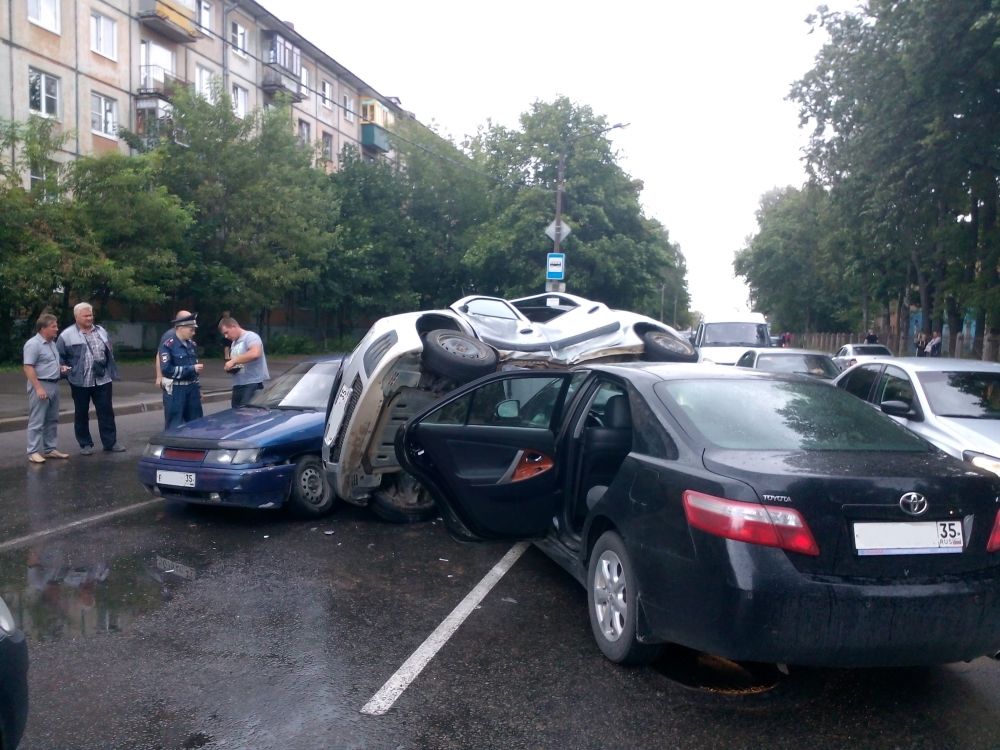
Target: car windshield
[970, 395]
[876, 350]
[736, 334]
[818, 365]
[783, 416]
[305, 386]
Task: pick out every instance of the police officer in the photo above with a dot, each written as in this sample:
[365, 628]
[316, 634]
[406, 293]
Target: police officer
[180, 368]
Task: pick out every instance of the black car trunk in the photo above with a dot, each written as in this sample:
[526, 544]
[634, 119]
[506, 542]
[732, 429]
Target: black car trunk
[835, 490]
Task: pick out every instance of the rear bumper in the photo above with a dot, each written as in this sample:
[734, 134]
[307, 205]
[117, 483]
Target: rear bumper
[764, 610]
[260, 487]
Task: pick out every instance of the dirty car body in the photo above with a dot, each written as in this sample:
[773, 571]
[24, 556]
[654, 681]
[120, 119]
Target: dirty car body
[756, 516]
[406, 362]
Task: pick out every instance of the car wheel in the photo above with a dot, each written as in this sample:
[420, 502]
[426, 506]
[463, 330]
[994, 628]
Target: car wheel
[661, 346]
[454, 355]
[311, 494]
[402, 500]
[613, 595]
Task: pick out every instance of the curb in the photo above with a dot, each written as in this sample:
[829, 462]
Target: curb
[13, 424]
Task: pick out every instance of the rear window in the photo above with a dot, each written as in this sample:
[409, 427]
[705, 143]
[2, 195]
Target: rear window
[872, 350]
[818, 365]
[782, 416]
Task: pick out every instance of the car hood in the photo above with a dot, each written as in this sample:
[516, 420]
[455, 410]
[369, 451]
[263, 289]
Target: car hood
[979, 435]
[246, 427]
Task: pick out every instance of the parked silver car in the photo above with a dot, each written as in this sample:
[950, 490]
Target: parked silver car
[405, 362]
[802, 361]
[953, 403]
[851, 354]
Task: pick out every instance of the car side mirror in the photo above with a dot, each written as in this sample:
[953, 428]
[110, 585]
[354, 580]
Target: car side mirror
[897, 409]
[509, 409]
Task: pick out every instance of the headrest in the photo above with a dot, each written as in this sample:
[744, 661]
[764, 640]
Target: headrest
[616, 413]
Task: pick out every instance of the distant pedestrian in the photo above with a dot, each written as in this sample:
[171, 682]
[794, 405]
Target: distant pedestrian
[872, 337]
[933, 348]
[43, 370]
[86, 349]
[180, 368]
[246, 362]
[921, 344]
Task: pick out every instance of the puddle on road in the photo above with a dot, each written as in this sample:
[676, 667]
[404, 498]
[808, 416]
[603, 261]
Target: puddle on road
[64, 591]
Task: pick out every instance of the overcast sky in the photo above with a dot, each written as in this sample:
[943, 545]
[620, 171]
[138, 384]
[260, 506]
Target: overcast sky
[703, 86]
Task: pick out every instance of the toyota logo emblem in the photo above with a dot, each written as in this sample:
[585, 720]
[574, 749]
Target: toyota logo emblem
[913, 503]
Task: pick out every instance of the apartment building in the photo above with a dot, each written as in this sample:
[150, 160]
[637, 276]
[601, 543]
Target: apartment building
[96, 65]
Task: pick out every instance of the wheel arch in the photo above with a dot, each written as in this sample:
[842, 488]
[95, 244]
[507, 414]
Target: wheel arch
[436, 321]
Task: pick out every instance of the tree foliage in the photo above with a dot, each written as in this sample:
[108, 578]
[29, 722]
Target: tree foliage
[904, 114]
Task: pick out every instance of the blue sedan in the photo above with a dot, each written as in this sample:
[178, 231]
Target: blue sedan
[262, 455]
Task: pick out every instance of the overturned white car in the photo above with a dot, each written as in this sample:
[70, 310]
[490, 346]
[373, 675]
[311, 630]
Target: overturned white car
[407, 361]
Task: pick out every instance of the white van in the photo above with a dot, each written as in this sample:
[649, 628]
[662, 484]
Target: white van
[724, 339]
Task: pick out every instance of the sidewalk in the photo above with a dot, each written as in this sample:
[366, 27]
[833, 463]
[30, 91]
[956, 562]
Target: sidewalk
[135, 391]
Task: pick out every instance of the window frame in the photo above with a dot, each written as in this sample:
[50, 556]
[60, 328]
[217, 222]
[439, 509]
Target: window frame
[39, 18]
[41, 111]
[204, 15]
[238, 39]
[103, 101]
[326, 94]
[306, 138]
[96, 20]
[205, 90]
[327, 153]
[348, 102]
[238, 100]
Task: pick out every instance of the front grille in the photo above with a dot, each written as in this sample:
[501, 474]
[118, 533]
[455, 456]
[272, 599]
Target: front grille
[352, 404]
[181, 454]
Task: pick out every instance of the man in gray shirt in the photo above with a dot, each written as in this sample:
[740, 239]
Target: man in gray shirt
[42, 369]
[247, 363]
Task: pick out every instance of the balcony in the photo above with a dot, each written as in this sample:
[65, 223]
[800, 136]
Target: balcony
[155, 80]
[171, 19]
[277, 80]
[372, 136]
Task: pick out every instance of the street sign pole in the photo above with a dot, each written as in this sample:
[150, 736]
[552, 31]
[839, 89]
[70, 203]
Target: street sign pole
[554, 285]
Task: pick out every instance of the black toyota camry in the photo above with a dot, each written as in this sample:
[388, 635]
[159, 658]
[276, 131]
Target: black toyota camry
[752, 515]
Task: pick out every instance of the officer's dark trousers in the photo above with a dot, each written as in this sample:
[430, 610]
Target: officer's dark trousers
[101, 396]
[183, 405]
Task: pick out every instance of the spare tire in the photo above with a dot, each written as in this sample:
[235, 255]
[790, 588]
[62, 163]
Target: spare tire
[662, 346]
[456, 356]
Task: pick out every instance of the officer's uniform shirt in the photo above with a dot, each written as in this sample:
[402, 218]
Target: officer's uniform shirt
[177, 360]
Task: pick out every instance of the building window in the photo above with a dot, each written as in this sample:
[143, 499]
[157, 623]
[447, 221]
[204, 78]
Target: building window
[304, 79]
[326, 96]
[328, 146]
[203, 83]
[43, 93]
[238, 39]
[41, 178]
[205, 15]
[282, 52]
[241, 97]
[304, 136]
[103, 115]
[45, 13]
[349, 106]
[103, 36]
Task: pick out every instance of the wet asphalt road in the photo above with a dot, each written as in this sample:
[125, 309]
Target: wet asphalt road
[185, 627]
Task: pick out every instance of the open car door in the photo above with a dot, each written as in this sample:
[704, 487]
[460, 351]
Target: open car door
[488, 453]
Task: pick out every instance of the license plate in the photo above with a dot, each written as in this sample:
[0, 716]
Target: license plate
[175, 478]
[909, 538]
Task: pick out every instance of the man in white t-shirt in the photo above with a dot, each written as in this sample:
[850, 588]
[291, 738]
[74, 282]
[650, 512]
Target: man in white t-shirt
[247, 363]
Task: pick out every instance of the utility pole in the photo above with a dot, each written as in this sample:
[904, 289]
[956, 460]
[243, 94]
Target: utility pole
[557, 226]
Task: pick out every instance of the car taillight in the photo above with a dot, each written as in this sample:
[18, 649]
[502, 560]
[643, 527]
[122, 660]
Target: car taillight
[753, 523]
[994, 543]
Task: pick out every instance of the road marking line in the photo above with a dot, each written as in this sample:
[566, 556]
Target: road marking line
[382, 700]
[82, 522]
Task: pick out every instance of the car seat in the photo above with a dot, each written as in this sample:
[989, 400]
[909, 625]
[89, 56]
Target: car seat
[605, 447]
